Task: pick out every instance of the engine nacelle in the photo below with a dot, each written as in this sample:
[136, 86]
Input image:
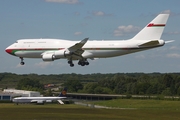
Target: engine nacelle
[51, 56]
[48, 57]
[40, 102]
[61, 54]
[48, 101]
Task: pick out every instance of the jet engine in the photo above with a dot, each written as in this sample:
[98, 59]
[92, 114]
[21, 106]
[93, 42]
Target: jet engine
[48, 101]
[48, 57]
[62, 53]
[51, 56]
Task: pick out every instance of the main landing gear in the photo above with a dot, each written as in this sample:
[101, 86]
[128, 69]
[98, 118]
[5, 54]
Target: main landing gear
[81, 62]
[71, 63]
[22, 62]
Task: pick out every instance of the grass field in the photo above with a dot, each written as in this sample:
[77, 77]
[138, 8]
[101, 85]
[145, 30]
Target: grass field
[128, 109]
[141, 104]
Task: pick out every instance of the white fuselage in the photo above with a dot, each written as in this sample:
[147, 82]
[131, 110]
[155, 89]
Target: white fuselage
[35, 99]
[34, 48]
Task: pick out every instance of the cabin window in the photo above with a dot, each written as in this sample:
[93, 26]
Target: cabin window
[28, 42]
[42, 42]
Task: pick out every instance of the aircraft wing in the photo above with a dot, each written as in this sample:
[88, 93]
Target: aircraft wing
[77, 48]
[74, 52]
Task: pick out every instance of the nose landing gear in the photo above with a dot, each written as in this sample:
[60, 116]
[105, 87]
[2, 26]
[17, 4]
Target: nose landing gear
[22, 62]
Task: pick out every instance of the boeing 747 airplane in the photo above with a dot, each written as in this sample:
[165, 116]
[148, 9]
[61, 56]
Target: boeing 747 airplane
[52, 49]
[40, 100]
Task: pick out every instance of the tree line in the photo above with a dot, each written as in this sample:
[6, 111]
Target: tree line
[118, 83]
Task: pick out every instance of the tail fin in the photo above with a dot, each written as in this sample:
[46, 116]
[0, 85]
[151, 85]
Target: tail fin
[63, 93]
[154, 29]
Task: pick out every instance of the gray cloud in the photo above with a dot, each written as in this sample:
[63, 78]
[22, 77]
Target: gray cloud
[100, 13]
[122, 30]
[64, 1]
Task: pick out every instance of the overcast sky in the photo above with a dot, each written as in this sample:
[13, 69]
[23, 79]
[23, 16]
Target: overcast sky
[96, 19]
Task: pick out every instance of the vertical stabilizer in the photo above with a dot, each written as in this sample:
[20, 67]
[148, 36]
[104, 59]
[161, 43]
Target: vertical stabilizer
[63, 93]
[154, 29]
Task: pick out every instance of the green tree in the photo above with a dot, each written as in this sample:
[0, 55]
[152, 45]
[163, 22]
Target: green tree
[167, 80]
[178, 91]
[89, 87]
[102, 90]
[73, 85]
[29, 84]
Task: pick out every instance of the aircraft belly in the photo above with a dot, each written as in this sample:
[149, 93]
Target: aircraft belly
[29, 54]
[23, 101]
[114, 53]
[109, 53]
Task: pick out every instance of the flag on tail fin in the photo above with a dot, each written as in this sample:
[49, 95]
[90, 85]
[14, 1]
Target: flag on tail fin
[154, 29]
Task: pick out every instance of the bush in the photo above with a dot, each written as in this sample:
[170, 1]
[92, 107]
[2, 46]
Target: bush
[128, 96]
[5, 101]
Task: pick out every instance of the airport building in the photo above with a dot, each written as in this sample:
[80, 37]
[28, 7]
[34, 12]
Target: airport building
[9, 94]
[23, 93]
[4, 96]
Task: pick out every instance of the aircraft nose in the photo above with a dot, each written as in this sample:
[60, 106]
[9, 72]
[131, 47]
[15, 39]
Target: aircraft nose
[8, 50]
[14, 100]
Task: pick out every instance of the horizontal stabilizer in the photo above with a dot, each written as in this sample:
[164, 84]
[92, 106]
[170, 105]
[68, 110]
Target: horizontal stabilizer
[150, 43]
[169, 41]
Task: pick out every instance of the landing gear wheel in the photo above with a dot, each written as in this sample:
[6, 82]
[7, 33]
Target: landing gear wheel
[22, 62]
[72, 65]
[83, 63]
[69, 62]
[87, 63]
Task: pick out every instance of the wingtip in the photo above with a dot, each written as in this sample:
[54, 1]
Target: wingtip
[86, 38]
